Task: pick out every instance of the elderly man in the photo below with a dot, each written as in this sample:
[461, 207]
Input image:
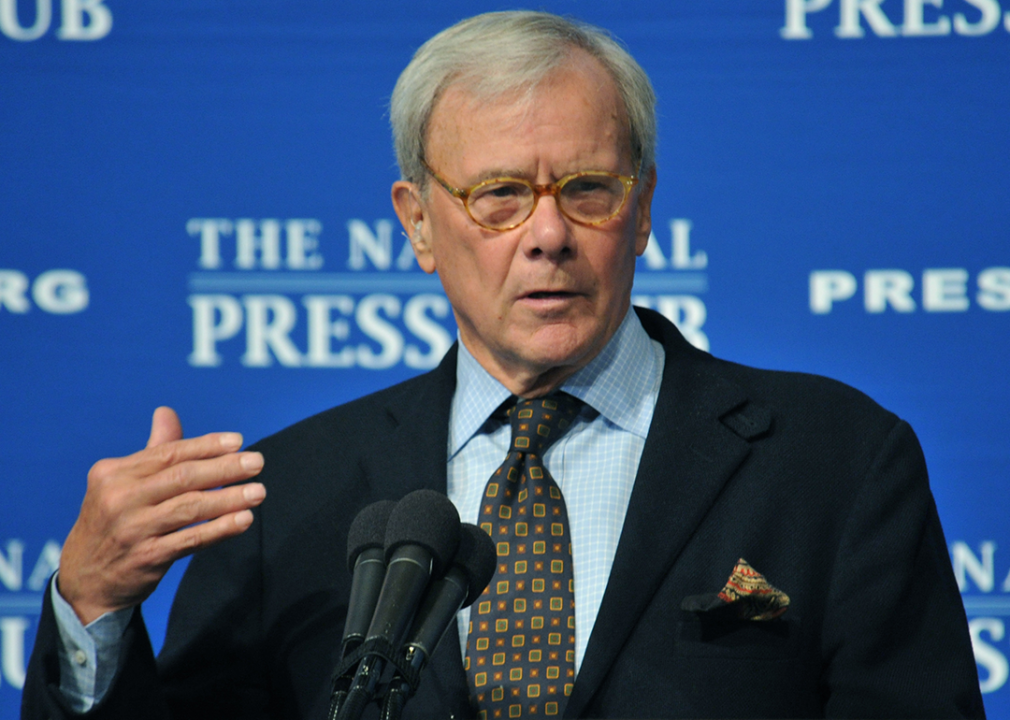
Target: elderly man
[703, 539]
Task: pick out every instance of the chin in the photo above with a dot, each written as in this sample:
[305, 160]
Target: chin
[562, 347]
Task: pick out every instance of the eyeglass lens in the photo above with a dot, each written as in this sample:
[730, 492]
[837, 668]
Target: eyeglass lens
[587, 198]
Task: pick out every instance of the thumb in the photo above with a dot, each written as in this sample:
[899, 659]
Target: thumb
[165, 427]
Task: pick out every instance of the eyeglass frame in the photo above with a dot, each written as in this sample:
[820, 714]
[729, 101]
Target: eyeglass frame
[553, 188]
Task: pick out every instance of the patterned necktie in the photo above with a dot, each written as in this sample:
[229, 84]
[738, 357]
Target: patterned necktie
[520, 652]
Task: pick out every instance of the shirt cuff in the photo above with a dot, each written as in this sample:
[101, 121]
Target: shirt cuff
[89, 655]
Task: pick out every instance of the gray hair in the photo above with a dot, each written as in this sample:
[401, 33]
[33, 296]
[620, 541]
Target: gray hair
[499, 53]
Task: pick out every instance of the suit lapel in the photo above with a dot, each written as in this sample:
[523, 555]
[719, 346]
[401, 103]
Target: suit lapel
[688, 457]
[416, 458]
[414, 452]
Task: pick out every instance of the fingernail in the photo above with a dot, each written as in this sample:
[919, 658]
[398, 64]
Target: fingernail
[244, 519]
[251, 461]
[230, 440]
[253, 492]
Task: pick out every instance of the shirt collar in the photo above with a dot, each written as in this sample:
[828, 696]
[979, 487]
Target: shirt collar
[477, 396]
[622, 382]
[619, 383]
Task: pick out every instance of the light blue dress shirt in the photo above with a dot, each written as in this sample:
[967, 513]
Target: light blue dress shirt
[88, 654]
[594, 464]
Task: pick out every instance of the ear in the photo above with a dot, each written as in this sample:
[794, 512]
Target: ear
[409, 208]
[643, 210]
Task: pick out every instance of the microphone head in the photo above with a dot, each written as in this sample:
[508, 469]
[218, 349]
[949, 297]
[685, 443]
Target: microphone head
[477, 558]
[368, 530]
[429, 519]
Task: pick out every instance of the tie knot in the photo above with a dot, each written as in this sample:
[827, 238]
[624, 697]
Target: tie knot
[538, 423]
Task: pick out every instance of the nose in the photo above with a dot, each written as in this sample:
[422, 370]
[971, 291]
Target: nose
[549, 234]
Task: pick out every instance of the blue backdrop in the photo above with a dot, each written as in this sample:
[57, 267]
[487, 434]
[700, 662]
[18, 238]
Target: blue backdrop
[194, 211]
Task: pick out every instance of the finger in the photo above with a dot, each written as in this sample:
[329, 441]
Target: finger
[158, 457]
[200, 506]
[165, 427]
[197, 537]
[203, 474]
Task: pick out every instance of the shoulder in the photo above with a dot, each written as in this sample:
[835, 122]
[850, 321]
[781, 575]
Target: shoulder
[815, 400]
[802, 405]
[364, 418]
[344, 432]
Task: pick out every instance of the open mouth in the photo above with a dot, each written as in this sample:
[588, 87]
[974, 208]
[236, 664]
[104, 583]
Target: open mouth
[549, 295]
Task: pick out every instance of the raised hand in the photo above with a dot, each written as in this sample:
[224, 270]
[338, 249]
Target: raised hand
[143, 512]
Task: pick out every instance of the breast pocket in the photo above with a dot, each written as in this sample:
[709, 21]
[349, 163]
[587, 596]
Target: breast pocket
[709, 634]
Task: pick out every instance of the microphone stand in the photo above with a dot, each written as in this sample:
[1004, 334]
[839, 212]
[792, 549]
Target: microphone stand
[342, 682]
[399, 690]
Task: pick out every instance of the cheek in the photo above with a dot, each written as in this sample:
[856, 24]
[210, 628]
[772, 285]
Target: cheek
[613, 262]
[481, 263]
[474, 269]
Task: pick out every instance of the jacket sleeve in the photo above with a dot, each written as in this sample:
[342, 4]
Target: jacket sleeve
[895, 638]
[209, 666]
[134, 692]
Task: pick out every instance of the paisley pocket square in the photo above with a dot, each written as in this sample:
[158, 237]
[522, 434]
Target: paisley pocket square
[746, 596]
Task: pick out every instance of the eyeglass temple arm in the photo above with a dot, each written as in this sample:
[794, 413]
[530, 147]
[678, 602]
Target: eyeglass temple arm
[455, 192]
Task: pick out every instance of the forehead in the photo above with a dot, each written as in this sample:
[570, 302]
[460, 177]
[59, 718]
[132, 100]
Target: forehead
[574, 119]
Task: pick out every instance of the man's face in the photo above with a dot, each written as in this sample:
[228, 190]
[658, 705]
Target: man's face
[537, 302]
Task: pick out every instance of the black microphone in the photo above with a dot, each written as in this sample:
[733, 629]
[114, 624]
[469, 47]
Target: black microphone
[472, 569]
[421, 536]
[367, 562]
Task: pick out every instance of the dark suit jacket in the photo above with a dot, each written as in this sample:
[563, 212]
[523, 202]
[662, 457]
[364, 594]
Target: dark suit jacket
[820, 489]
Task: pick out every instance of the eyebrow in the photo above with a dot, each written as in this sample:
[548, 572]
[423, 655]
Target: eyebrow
[498, 173]
[520, 174]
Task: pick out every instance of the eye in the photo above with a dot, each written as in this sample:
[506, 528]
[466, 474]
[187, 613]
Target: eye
[588, 184]
[500, 190]
[592, 197]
